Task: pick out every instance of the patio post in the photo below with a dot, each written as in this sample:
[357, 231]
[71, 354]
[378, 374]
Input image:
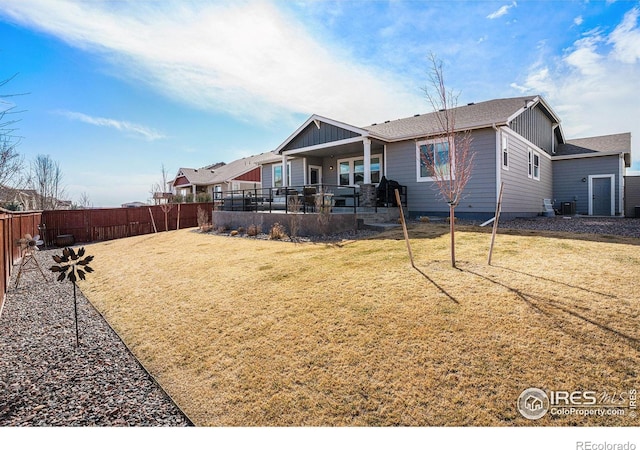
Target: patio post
[284, 171]
[366, 142]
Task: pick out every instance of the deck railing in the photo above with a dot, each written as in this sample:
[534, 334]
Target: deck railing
[304, 198]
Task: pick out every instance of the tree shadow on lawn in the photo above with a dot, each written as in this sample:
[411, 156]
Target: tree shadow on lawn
[545, 306]
[436, 230]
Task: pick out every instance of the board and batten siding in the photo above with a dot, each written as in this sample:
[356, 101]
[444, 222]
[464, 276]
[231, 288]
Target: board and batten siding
[523, 196]
[568, 174]
[312, 135]
[424, 198]
[536, 127]
[631, 195]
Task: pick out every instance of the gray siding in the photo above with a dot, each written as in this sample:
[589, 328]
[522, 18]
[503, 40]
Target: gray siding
[424, 198]
[534, 125]
[631, 195]
[568, 185]
[267, 175]
[312, 135]
[524, 196]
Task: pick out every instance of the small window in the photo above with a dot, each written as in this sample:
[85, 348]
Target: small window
[536, 166]
[505, 152]
[530, 163]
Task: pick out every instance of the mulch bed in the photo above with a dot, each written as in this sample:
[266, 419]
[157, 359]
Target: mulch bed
[46, 381]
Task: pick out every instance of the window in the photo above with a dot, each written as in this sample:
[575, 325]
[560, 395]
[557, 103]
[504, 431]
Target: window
[431, 151]
[217, 192]
[277, 174]
[530, 162]
[536, 166]
[505, 152]
[351, 170]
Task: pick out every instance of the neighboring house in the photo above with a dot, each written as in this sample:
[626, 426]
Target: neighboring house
[134, 205]
[515, 141]
[218, 179]
[28, 200]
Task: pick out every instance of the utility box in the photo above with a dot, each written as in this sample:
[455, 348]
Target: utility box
[568, 208]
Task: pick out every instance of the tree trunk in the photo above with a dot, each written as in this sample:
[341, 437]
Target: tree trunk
[452, 230]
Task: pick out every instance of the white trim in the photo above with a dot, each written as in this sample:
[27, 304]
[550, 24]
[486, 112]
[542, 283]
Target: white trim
[351, 168]
[304, 170]
[621, 182]
[367, 161]
[498, 156]
[384, 160]
[529, 162]
[419, 177]
[325, 145]
[309, 168]
[273, 175]
[317, 120]
[504, 148]
[595, 154]
[613, 192]
[527, 142]
[534, 176]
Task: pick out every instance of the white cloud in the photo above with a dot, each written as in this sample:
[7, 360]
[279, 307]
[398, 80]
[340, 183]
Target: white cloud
[120, 125]
[503, 10]
[626, 38]
[594, 87]
[245, 58]
[578, 21]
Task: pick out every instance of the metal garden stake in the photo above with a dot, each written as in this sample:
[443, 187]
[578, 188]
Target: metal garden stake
[73, 268]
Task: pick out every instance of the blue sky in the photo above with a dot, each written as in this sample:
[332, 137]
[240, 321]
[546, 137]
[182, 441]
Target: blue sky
[118, 88]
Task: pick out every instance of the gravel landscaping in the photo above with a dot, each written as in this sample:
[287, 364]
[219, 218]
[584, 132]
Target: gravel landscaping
[46, 381]
[629, 227]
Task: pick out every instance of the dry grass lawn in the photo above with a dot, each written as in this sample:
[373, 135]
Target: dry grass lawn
[246, 332]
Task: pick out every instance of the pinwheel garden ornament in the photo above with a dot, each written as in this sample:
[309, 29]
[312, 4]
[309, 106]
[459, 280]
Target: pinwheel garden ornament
[73, 267]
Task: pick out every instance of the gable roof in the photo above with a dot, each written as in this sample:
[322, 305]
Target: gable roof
[311, 127]
[611, 144]
[220, 173]
[471, 116]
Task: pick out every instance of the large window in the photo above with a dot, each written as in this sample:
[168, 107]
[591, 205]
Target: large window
[351, 170]
[433, 157]
[278, 176]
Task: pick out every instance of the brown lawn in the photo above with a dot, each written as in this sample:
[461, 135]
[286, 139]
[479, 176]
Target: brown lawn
[246, 332]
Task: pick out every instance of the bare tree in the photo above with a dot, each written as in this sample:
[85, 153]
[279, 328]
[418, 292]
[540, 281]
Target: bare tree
[47, 181]
[12, 174]
[161, 196]
[84, 202]
[449, 160]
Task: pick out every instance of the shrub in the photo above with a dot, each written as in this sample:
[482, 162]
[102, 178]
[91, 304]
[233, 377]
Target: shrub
[202, 217]
[241, 230]
[253, 230]
[277, 232]
[424, 219]
[234, 232]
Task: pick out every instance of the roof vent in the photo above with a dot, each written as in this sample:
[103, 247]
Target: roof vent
[374, 124]
[441, 110]
[387, 121]
[470, 104]
[416, 115]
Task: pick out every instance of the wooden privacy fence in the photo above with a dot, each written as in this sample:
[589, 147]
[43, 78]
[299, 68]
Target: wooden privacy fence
[92, 225]
[13, 226]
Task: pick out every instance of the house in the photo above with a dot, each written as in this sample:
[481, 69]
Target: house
[29, 200]
[218, 179]
[134, 205]
[517, 142]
